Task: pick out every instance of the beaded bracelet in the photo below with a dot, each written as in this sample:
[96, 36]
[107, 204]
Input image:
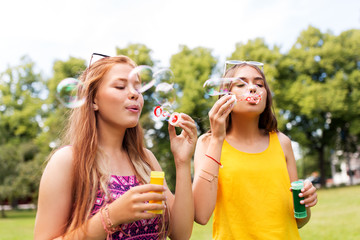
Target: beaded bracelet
[104, 224]
[109, 228]
[219, 163]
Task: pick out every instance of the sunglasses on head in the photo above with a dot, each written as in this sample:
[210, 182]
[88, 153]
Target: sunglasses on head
[231, 63]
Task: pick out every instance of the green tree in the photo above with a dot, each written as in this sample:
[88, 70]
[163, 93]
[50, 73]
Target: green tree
[192, 67]
[140, 53]
[21, 91]
[9, 159]
[56, 114]
[317, 93]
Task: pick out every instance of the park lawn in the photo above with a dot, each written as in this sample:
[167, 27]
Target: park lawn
[336, 217]
[18, 225]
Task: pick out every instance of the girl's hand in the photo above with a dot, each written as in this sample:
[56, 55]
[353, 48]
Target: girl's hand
[183, 145]
[309, 194]
[134, 204]
[218, 114]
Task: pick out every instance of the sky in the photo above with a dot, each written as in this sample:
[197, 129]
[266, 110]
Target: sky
[50, 30]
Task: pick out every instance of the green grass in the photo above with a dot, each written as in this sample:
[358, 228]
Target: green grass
[335, 217]
[18, 225]
[201, 232]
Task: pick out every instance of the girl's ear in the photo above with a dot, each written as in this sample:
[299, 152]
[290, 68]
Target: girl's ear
[95, 106]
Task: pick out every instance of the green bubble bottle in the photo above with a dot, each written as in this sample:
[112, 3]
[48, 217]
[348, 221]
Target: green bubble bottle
[299, 209]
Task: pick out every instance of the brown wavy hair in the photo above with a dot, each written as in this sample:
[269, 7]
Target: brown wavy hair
[267, 120]
[90, 173]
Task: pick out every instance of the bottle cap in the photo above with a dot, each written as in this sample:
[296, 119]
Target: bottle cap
[297, 185]
[157, 174]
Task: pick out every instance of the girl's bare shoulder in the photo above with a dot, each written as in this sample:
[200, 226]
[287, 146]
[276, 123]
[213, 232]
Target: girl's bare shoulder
[153, 160]
[61, 161]
[284, 140]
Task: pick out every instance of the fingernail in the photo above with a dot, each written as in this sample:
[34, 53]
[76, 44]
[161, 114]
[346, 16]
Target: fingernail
[302, 201]
[306, 205]
[301, 195]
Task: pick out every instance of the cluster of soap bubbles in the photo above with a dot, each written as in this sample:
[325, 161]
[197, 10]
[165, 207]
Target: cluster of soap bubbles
[164, 93]
[221, 86]
[70, 91]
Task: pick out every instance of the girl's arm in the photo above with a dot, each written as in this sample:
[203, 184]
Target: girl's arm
[207, 160]
[309, 191]
[182, 204]
[206, 171]
[55, 199]
[55, 202]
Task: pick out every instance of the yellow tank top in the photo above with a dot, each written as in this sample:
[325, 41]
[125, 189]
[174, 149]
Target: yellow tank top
[253, 199]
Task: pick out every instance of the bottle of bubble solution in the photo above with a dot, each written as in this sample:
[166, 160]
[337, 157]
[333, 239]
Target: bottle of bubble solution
[157, 177]
[299, 209]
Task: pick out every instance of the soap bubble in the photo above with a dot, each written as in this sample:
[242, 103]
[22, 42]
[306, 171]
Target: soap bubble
[164, 87]
[149, 77]
[145, 75]
[68, 91]
[218, 86]
[165, 93]
[163, 75]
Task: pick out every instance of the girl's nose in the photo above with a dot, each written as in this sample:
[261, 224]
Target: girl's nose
[133, 93]
[252, 88]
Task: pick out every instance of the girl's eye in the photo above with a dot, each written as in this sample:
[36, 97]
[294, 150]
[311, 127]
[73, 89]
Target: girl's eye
[260, 85]
[240, 85]
[120, 87]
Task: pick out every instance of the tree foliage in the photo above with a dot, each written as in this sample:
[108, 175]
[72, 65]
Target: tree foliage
[21, 90]
[318, 78]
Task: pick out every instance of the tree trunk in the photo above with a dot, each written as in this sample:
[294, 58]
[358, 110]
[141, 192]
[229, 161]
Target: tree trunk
[322, 165]
[3, 215]
[349, 172]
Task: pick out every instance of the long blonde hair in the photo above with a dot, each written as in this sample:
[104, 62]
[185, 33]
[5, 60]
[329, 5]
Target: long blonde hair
[89, 172]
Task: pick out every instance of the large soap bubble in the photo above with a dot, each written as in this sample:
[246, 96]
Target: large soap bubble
[145, 75]
[68, 91]
[149, 77]
[218, 86]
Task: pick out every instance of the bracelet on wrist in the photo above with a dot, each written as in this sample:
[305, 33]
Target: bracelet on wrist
[218, 162]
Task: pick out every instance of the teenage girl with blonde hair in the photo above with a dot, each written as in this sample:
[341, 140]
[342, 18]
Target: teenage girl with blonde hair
[244, 165]
[98, 185]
